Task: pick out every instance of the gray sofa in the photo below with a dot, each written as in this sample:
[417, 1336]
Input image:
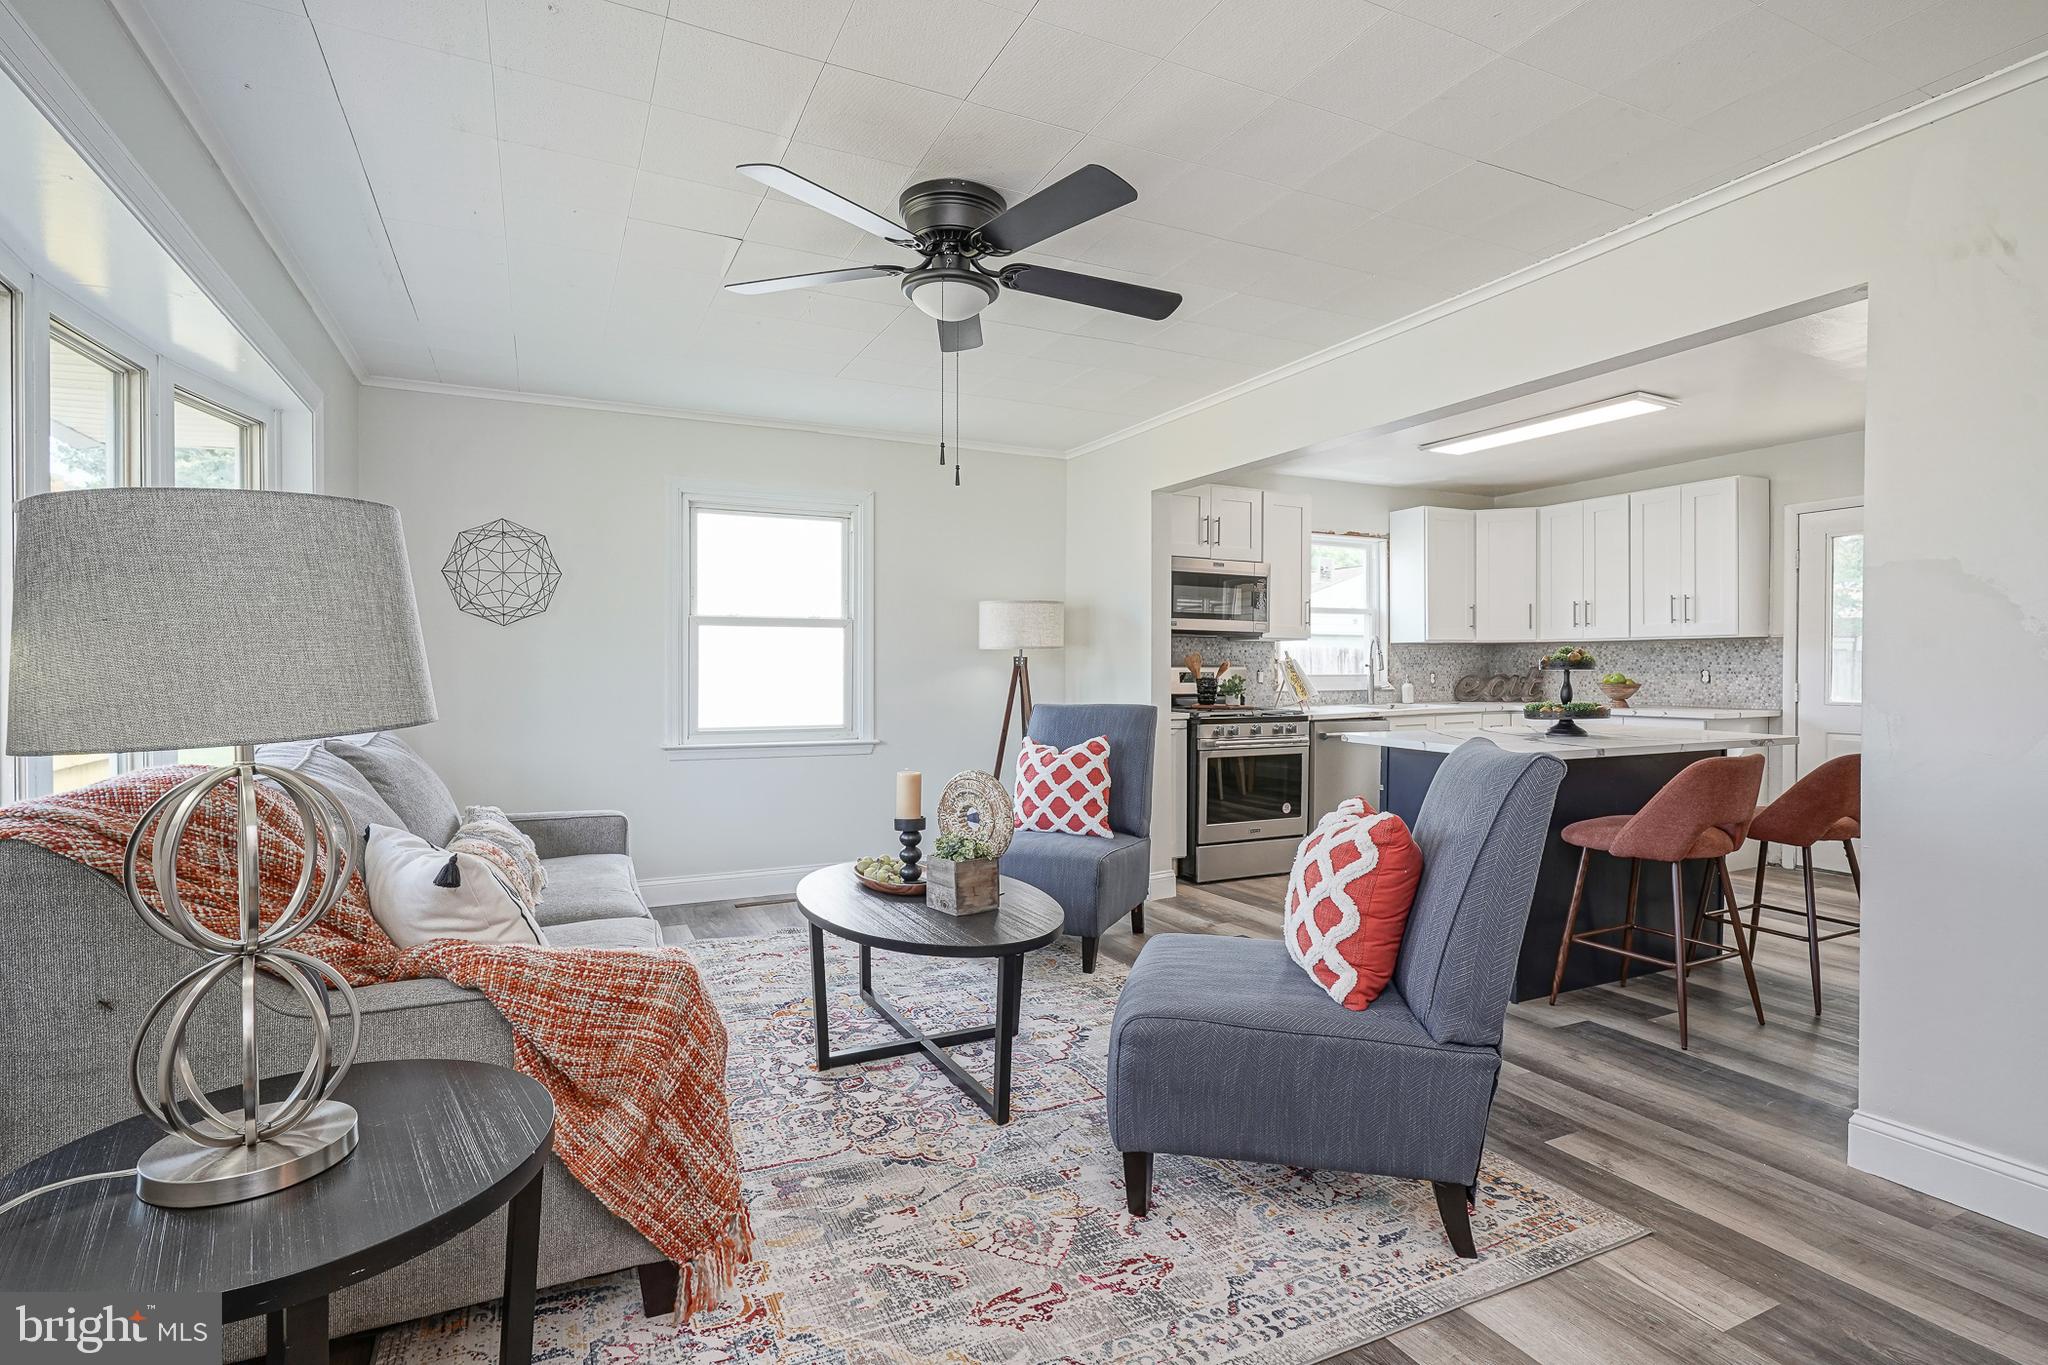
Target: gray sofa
[1223, 1047]
[80, 969]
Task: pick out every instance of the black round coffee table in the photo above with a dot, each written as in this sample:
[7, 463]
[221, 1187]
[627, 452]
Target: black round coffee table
[835, 902]
[442, 1145]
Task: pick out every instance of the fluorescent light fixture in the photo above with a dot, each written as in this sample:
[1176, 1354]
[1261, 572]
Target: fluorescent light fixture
[1571, 419]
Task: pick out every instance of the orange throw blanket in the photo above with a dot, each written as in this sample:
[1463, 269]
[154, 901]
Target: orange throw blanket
[627, 1040]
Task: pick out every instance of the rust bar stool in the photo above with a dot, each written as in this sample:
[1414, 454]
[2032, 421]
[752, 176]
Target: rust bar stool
[1701, 815]
[1823, 807]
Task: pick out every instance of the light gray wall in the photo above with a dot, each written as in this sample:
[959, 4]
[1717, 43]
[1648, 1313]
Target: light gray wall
[92, 45]
[566, 709]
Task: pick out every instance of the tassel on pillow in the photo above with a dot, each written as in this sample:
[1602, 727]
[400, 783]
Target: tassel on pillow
[449, 875]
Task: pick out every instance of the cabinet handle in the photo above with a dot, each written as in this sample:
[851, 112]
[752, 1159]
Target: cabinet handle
[1688, 608]
[1532, 616]
[1575, 613]
[1674, 607]
[1589, 612]
[1472, 615]
[1206, 540]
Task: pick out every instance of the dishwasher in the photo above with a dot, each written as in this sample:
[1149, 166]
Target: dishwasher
[1338, 770]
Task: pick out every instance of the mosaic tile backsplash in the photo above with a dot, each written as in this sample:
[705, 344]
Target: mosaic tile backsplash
[1746, 673]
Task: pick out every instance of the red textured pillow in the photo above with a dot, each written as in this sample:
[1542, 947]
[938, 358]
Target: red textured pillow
[1348, 899]
[1064, 791]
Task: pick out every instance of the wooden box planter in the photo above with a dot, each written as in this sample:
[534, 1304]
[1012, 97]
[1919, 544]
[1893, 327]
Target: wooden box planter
[962, 888]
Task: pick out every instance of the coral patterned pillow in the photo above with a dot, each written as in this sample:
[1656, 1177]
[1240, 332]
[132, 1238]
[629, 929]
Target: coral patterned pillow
[1348, 898]
[1064, 791]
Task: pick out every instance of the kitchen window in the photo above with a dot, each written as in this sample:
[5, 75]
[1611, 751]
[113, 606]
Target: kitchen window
[774, 613]
[1347, 612]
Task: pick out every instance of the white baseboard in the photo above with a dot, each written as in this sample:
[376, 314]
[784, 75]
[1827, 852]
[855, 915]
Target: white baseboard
[723, 886]
[1985, 1182]
[1161, 885]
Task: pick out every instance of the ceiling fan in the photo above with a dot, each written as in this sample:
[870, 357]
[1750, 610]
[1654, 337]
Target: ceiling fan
[957, 226]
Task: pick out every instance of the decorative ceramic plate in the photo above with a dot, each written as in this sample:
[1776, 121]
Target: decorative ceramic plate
[975, 804]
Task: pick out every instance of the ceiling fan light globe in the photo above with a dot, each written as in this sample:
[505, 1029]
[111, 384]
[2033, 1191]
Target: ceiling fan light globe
[949, 297]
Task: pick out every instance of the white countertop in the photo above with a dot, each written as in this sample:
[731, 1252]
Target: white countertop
[1689, 712]
[1361, 711]
[1639, 740]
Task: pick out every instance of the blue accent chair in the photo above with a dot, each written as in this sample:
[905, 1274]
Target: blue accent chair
[1097, 881]
[1223, 1047]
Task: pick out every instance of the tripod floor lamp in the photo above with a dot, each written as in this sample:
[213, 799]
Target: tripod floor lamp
[149, 620]
[1020, 626]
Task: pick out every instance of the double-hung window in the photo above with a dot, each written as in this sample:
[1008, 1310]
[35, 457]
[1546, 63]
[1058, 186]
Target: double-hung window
[116, 418]
[1346, 646]
[776, 608]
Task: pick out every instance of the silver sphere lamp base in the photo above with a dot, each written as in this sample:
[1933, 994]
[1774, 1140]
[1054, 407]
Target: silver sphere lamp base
[213, 1155]
[178, 1173]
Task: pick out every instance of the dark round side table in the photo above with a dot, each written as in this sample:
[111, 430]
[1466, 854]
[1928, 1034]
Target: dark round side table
[835, 903]
[442, 1145]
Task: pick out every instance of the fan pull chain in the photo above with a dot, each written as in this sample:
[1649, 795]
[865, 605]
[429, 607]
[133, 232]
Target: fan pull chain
[956, 419]
[942, 409]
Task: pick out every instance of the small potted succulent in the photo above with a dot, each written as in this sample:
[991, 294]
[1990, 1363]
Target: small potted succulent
[962, 877]
[1619, 687]
[1231, 689]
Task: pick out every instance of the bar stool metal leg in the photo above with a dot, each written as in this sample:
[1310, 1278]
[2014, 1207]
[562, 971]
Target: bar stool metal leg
[1628, 925]
[1756, 900]
[1812, 928]
[1571, 918]
[1678, 954]
[1855, 868]
[1734, 915]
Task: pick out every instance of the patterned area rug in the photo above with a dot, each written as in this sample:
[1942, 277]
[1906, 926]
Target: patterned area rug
[895, 1223]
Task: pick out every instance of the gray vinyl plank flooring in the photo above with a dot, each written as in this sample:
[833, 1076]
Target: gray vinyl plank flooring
[1767, 1248]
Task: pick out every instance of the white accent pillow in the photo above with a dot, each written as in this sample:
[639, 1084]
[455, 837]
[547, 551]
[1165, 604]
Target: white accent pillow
[415, 896]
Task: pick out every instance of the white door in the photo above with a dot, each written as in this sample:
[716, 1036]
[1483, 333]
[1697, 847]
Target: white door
[1604, 613]
[1708, 600]
[1236, 517]
[1187, 526]
[1829, 643]
[1505, 573]
[1561, 569]
[1656, 550]
[1287, 542]
[1452, 607]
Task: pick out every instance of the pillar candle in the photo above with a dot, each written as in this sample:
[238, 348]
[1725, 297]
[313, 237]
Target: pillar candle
[909, 795]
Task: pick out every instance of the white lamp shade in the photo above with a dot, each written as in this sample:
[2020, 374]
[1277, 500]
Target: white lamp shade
[174, 618]
[1023, 625]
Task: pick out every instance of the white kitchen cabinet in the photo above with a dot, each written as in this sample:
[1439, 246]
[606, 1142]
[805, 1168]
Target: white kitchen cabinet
[1504, 573]
[1176, 765]
[1700, 558]
[1431, 575]
[1583, 570]
[1216, 521]
[1286, 539]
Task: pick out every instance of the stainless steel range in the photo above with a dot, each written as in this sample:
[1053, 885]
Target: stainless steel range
[1248, 792]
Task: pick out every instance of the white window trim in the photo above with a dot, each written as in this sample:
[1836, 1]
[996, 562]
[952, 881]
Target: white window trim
[1356, 682]
[858, 735]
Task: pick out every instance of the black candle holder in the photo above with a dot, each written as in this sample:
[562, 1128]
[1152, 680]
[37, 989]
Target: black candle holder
[906, 834]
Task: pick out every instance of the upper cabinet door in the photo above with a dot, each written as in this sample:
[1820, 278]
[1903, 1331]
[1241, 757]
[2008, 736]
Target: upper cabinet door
[1187, 524]
[1236, 522]
[1452, 601]
[1505, 573]
[1707, 523]
[1604, 612]
[1561, 569]
[1657, 549]
[1287, 546]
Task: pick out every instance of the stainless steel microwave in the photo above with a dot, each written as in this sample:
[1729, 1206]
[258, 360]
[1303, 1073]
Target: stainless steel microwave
[1219, 596]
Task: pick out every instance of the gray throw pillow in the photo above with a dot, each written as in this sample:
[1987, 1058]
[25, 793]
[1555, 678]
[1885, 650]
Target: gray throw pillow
[359, 800]
[416, 792]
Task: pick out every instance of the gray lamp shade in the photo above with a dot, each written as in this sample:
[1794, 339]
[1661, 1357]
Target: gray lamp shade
[169, 618]
[1023, 625]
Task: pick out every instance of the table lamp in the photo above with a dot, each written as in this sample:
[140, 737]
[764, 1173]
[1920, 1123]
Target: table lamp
[155, 619]
[1020, 626]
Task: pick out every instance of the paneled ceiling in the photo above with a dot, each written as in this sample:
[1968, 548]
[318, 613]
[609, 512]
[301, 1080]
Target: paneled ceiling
[538, 195]
[1787, 382]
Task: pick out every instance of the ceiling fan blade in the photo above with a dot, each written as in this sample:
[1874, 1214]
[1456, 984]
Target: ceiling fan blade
[963, 335]
[818, 197]
[1091, 290]
[815, 278]
[1068, 202]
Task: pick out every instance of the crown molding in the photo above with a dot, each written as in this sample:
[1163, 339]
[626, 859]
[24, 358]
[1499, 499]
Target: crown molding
[556, 400]
[2014, 77]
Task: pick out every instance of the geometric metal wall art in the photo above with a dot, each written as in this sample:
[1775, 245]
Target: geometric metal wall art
[502, 572]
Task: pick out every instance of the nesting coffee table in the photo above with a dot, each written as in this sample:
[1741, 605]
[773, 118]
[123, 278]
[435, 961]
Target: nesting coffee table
[834, 902]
